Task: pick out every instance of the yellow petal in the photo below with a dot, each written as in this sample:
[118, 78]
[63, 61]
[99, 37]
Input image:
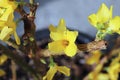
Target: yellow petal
[114, 24]
[111, 9]
[94, 74]
[70, 36]
[6, 14]
[114, 61]
[102, 76]
[5, 33]
[56, 46]
[93, 19]
[10, 21]
[71, 50]
[63, 69]
[98, 68]
[52, 28]
[114, 71]
[8, 3]
[57, 36]
[3, 58]
[2, 24]
[50, 74]
[104, 14]
[94, 58]
[2, 72]
[8, 8]
[61, 26]
[17, 39]
[13, 4]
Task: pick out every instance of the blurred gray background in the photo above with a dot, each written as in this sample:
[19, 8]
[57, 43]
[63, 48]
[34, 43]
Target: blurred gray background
[75, 12]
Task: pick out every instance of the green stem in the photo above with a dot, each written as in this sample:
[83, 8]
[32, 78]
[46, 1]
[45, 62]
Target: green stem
[52, 63]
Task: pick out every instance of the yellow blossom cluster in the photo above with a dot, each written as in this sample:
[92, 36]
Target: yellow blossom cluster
[104, 22]
[7, 24]
[94, 58]
[53, 69]
[113, 70]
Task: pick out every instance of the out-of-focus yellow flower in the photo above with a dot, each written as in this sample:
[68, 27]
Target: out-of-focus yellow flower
[5, 33]
[114, 71]
[102, 16]
[2, 72]
[100, 21]
[63, 40]
[103, 76]
[3, 58]
[53, 69]
[114, 25]
[94, 59]
[7, 7]
[94, 74]
[116, 60]
[114, 68]
[7, 25]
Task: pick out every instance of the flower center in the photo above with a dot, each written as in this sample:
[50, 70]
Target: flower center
[65, 43]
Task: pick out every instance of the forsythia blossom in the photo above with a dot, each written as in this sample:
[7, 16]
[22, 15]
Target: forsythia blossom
[114, 25]
[94, 74]
[63, 39]
[3, 58]
[53, 69]
[114, 68]
[113, 71]
[100, 20]
[94, 58]
[7, 25]
[104, 22]
[2, 72]
[101, 17]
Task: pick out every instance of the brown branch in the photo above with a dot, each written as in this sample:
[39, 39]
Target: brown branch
[13, 69]
[92, 46]
[29, 43]
[19, 60]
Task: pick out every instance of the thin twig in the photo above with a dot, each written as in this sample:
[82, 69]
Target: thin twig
[13, 69]
[92, 46]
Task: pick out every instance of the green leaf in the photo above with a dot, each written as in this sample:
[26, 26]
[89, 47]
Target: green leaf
[43, 61]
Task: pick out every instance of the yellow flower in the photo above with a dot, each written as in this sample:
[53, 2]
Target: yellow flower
[5, 33]
[114, 25]
[7, 25]
[63, 40]
[102, 16]
[7, 7]
[94, 59]
[114, 71]
[102, 76]
[114, 68]
[53, 69]
[94, 74]
[2, 72]
[3, 58]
